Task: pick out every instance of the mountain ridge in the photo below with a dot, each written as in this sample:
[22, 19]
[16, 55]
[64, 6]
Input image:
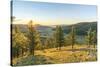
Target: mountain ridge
[82, 27]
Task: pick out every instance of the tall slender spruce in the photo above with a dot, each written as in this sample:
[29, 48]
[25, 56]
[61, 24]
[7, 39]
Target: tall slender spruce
[72, 36]
[59, 37]
[89, 37]
[31, 37]
[94, 38]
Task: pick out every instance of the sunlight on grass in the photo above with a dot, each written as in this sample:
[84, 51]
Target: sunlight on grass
[54, 56]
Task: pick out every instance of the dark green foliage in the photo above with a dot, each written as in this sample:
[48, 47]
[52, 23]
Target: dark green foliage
[59, 37]
[38, 43]
[91, 37]
[72, 36]
[31, 37]
[81, 27]
[19, 43]
[94, 38]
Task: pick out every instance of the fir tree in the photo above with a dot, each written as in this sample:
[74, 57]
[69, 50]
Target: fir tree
[59, 37]
[72, 36]
[94, 38]
[38, 40]
[31, 37]
[89, 37]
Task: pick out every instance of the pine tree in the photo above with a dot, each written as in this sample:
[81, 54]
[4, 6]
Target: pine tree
[15, 44]
[38, 40]
[31, 37]
[47, 43]
[89, 37]
[94, 38]
[59, 37]
[72, 36]
[19, 42]
[67, 40]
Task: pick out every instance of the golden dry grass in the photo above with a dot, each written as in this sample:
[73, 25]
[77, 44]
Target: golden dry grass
[65, 55]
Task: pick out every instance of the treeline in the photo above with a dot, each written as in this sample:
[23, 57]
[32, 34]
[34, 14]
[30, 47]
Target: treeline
[27, 43]
[81, 27]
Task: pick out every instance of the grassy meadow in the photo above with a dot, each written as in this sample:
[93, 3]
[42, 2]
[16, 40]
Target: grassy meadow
[54, 56]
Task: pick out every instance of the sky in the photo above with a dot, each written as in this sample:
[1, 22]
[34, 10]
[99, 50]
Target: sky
[52, 13]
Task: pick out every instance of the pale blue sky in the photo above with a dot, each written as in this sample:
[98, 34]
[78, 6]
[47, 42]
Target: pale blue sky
[54, 13]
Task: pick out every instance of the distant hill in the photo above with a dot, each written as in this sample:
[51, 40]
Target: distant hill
[44, 30]
[81, 28]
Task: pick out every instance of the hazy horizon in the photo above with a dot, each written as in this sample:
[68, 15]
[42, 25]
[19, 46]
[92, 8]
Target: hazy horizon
[53, 24]
[52, 13]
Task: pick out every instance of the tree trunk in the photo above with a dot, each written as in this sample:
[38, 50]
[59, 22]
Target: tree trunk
[17, 54]
[94, 46]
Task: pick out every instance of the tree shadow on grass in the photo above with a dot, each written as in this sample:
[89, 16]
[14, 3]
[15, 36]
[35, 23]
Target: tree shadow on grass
[34, 60]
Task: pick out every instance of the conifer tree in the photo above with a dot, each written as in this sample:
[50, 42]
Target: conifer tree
[19, 42]
[94, 38]
[15, 46]
[89, 37]
[31, 37]
[59, 37]
[72, 36]
[38, 40]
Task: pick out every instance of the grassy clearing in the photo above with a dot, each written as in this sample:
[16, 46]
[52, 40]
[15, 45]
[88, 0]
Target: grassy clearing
[53, 56]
